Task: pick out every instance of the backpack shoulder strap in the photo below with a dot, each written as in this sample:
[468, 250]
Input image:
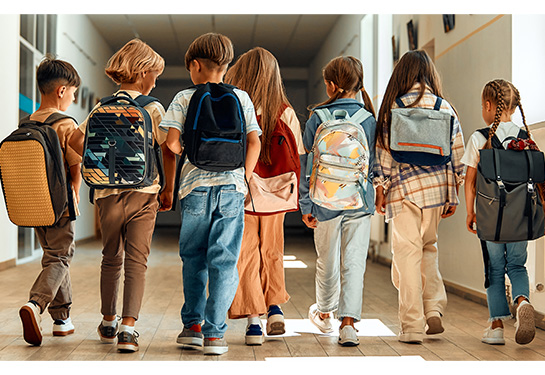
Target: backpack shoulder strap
[144, 100]
[438, 103]
[400, 103]
[360, 116]
[54, 117]
[324, 114]
[495, 140]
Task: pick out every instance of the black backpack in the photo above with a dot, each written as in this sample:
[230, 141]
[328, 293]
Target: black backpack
[214, 134]
[36, 187]
[120, 150]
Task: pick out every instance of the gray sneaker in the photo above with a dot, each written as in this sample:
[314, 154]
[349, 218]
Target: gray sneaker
[191, 337]
[215, 345]
[107, 334]
[127, 342]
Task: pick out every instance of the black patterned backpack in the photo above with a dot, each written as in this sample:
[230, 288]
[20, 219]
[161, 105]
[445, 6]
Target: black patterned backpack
[120, 150]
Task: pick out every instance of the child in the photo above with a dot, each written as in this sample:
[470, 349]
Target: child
[261, 267]
[500, 99]
[211, 207]
[415, 199]
[127, 216]
[341, 237]
[57, 82]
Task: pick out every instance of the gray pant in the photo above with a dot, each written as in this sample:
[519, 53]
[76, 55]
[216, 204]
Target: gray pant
[53, 286]
[342, 244]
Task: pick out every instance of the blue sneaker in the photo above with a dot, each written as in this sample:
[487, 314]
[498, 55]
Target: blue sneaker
[254, 334]
[275, 321]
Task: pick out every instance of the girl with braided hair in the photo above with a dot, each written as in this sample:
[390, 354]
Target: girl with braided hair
[500, 99]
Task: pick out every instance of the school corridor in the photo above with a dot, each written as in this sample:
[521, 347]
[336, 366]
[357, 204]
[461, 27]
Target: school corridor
[468, 50]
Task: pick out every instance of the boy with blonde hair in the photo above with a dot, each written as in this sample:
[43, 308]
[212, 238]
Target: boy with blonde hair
[57, 82]
[212, 205]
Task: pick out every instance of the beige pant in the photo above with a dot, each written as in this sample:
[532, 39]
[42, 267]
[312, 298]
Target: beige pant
[260, 266]
[52, 286]
[127, 221]
[415, 268]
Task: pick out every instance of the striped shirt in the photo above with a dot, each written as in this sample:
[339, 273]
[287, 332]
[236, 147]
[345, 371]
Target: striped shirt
[427, 187]
[191, 176]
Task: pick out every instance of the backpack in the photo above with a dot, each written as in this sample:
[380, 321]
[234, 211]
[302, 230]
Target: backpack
[274, 187]
[120, 150]
[508, 206]
[338, 163]
[36, 187]
[421, 136]
[214, 133]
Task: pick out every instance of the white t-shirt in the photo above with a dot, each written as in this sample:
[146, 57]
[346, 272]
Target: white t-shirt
[477, 142]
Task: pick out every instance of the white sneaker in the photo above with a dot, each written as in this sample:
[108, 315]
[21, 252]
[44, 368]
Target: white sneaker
[493, 336]
[411, 337]
[323, 325]
[525, 328]
[31, 319]
[63, 327]
[348, 336]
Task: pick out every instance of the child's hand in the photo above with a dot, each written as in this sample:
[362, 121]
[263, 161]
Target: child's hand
[166, 199]
[448, 212]
[310, 221]
[471, 223]
[380, 201]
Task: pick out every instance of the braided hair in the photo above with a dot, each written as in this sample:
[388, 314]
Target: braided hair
[505, 96]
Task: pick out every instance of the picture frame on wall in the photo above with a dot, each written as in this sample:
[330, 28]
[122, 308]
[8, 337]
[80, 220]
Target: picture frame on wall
[411, 31]
[448, 22]
[84, 97]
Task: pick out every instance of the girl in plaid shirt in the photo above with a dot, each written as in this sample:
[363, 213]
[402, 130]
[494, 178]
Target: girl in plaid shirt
[415, 198]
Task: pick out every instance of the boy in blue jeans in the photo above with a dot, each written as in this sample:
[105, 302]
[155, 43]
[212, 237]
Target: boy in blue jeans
[212, 206]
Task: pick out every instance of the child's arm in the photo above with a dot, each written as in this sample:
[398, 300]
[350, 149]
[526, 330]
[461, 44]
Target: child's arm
[75, 174]
[173, 141]
[471, 176]
[169, 163]
[252, 153]
[76, 141]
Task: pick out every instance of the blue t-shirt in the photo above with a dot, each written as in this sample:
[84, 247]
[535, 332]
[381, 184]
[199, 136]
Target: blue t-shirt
[369, 127]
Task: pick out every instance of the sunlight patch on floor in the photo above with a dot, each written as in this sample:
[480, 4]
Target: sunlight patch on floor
[365, 327]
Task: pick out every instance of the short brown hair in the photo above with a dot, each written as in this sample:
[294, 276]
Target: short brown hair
[52, 72]
[132, 59]
[214, 49]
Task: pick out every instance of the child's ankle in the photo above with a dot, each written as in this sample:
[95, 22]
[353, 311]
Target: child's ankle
[496, 324]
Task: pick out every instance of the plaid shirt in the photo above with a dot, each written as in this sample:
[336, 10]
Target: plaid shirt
[427, 187]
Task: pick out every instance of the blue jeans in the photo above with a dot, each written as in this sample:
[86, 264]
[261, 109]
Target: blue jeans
[505, 258]
[210, 239]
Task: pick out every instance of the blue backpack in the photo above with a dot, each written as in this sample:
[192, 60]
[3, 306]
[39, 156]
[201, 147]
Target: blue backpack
[421, 136]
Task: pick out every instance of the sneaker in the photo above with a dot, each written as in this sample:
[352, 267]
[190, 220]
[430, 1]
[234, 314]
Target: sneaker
[275, 321]
[254, 334]
[107, 334]
[493, 336]
[324, 325]
[348, 336]
[63, 327]
[215, 345]
[525, 328]
[127, 342]
[191, 338]
[31, 319]
[411, 337]
[435, 325]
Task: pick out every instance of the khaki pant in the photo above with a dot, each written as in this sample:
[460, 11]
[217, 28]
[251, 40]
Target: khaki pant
[127, 221]
[52, 286]
[415, 268]
[260, 266]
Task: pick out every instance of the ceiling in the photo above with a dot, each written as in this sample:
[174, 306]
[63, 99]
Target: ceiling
[293, 39]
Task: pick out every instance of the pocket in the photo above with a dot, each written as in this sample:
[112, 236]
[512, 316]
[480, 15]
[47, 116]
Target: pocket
[231, 203]
[195, 203]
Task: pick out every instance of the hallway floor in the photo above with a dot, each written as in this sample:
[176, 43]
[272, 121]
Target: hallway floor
[160, 323]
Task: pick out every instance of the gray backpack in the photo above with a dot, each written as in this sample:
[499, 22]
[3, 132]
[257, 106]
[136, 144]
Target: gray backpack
[508, 205]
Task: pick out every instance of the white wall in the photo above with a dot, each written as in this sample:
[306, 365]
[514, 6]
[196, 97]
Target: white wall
[79, 43]
[476, 51]
[9, 96]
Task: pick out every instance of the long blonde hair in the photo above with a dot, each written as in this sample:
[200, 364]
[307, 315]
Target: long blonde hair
[133, 58]
[346, 72]
[505, 96]
[257, 72]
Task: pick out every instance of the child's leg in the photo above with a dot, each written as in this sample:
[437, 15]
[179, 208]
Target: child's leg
[272, 260]
[327, 239]
[52, 286]
[112, 223]
[516, 256]
[434, 294]
[249, 298]
[355, 236]
[194, 232]
[498, 306]
[224, 242]
[141, 212]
